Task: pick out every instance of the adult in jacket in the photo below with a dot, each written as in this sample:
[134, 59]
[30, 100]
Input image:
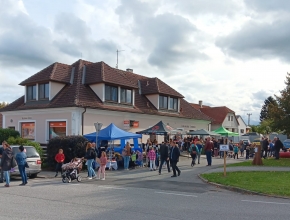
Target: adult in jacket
[208, 148]
[1, 171]
[90, 156]
[265, 145]
[174, 157]
[278, 146]
[21, 162]
[164, 157]
[6, 162]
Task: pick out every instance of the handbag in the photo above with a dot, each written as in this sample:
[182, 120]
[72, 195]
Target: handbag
[13, 163]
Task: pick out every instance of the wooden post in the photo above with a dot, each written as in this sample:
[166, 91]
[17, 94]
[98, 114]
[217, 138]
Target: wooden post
[257, 159]
[225, 166]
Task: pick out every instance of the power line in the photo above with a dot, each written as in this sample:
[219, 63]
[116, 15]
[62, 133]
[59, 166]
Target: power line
[249, 116]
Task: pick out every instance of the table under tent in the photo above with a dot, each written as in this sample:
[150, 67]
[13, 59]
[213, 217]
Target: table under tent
[110, 134]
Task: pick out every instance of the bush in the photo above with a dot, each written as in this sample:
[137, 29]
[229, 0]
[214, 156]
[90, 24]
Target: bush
[73, 146]
[5, 133]
[25, 142]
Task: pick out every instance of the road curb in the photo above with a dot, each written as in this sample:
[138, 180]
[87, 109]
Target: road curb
[239, 190]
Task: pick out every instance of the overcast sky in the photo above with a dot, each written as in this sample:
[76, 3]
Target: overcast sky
[230, 53]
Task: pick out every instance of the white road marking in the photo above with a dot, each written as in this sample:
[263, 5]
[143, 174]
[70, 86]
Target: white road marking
[176, 194]
[277, 203]
[112, 187]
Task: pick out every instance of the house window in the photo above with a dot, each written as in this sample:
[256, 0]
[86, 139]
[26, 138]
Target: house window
[126, 96]
[232, 118]
[43, 92]
[233, 130]
[242, 131]
[12, 128]
[27, 130]
[57, 129]
[163, 102]
[229, 118]
[31, 92]
[111, 93]
[173, 103]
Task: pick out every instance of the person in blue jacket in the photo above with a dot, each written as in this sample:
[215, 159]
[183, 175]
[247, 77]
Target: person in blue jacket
[21, 162]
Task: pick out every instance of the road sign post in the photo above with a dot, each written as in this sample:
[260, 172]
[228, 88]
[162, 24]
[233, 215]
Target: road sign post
[224, 148]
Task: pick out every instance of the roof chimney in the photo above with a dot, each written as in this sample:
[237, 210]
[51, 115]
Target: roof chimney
[129, 70]
[200, 103]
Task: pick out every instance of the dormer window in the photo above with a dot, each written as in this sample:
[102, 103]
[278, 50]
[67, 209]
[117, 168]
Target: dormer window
[163, 102]
[43, 92]
[173, 103]
[111, 93]
[126, 96]
[31, 93]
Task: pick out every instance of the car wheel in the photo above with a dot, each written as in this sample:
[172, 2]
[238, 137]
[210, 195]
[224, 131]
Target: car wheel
[32, 176]
[79, 178]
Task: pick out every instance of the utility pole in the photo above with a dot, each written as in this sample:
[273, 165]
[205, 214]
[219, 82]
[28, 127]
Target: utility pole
[118, 51]
[249, 116]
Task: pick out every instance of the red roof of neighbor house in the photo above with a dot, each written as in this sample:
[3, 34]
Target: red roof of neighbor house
[218, 114]
[77, 92]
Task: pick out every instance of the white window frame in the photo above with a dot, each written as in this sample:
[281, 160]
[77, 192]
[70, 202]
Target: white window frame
[27, 121]
[47, 127]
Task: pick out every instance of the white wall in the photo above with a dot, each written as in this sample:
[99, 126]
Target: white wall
[231, 124]
[54, 88]
[242, 125]
[99, 90]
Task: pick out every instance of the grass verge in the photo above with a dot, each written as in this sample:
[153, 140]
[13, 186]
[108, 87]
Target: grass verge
[271, 183]
[282, 162]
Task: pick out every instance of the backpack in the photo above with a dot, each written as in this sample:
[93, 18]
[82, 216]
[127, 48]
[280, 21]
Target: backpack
[193, 149]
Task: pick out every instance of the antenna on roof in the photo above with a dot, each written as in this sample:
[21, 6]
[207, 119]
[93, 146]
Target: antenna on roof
[118, 51]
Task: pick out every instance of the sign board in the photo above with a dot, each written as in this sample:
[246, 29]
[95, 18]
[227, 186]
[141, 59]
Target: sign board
[126, 125]
[136, 124]
[224, 147]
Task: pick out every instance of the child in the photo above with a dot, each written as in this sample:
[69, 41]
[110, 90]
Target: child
[59, 158]
[152, 158]
[236, 151]
[102, 169]
[140, 158]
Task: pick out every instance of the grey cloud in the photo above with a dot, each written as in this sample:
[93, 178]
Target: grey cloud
[258, 40]
[169, 38]
[261, 95]
[225, 7]
[268, 5]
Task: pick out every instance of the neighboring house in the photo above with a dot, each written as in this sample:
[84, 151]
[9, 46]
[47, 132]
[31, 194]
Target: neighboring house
[243, 128]
[68, 99]
[221, 116]
[1, 121]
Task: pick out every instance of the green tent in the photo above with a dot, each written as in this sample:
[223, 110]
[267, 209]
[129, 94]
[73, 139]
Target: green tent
[224, 132]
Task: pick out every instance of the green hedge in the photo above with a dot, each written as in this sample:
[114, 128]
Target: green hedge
[25, 142]
[73, 146]
[5, 133]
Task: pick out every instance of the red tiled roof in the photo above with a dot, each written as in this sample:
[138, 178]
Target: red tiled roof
[77, 94]
[55, 72]
[218, 114]
[157, 86]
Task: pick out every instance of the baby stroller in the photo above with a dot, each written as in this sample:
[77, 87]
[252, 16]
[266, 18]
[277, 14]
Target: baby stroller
[71, 171]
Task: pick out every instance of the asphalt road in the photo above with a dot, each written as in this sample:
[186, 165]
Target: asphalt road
[136, 194]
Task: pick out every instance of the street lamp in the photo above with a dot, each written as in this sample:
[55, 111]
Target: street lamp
[98, 127]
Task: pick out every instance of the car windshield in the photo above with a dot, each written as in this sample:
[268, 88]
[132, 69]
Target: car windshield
[30, 151]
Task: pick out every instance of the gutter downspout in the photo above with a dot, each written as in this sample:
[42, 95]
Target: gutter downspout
[83, 114]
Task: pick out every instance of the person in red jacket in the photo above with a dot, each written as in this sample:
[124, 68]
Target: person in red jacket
[59, 158]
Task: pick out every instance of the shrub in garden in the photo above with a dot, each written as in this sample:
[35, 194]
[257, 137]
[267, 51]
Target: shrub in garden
[25, 142]
[73, 146]
[5, 133]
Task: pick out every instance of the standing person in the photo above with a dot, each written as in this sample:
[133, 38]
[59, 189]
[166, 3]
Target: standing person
[152, 158]
[127, 156]
[199, 146]
[242, 148]
[59, 158]
[140, 158]
[21, 162]
[265, 145]
[193, 153]
[174, 157]
[164, 150]
[6, 162]
[271, 149]
[90, 156]
[236, 152]
[102, 169]
[208, 148]
[1, 171]
[278, 145]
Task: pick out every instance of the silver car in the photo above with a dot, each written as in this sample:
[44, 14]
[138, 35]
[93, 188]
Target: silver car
[33, 160]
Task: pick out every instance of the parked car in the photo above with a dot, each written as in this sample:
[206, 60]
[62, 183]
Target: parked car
[286, 143]
[33, 160]
[246, 142]
[257, 141]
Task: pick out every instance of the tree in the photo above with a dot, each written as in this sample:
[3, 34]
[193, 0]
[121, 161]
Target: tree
[265, 108]
[280, 113]
[3, 104]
